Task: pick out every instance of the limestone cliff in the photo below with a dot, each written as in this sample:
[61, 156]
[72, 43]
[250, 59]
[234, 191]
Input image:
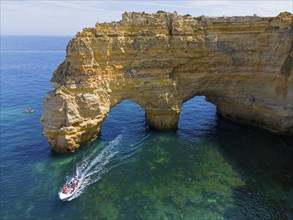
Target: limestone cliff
[243, 65]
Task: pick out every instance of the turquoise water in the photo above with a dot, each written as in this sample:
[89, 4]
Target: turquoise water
[209, 168]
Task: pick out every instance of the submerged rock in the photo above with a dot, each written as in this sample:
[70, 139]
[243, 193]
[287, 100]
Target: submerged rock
[243, 65]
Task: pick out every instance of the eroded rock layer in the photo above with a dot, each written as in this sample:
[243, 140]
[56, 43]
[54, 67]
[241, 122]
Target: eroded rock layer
[243, 65]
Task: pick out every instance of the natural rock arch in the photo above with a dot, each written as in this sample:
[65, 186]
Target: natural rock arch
[243, 65]
[124, 119]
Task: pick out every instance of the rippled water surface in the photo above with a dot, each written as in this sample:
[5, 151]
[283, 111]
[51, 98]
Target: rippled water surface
[209, 168]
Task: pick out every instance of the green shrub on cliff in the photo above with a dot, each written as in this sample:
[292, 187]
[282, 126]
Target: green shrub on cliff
[160, 11]
[202, 18]
[284, 14]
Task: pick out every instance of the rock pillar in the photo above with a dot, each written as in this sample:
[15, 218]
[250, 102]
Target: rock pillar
[163, 120]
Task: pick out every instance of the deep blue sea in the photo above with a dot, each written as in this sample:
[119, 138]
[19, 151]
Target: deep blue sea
[209, 168]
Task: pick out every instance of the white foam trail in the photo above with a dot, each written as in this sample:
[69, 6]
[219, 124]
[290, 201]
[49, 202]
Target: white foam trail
[92, 167]
[87, 165]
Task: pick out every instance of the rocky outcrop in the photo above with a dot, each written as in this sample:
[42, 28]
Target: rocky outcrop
[243, 65]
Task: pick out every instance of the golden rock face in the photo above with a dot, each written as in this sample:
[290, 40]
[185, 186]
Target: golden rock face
[243, 65]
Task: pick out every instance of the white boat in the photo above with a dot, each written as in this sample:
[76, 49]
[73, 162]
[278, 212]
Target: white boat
[70, 188]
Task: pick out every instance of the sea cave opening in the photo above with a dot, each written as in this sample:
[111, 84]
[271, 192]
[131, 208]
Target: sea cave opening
[198, 118]
[126, 118]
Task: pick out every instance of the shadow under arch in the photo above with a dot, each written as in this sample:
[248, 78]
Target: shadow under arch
[261, 162]
[265, 163]
[126, 117]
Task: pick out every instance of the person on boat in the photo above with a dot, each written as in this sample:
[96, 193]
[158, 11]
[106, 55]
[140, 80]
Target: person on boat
[65, 188]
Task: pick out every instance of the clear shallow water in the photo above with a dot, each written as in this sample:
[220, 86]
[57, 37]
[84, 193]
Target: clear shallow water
[209, 168]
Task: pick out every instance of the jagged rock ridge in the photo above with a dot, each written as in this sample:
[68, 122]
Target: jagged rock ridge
[243, 65]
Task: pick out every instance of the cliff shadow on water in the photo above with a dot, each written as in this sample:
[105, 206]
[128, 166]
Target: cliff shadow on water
[265, 163]
[262, 162]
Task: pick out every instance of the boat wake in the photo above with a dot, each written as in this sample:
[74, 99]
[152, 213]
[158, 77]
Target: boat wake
[94, 166]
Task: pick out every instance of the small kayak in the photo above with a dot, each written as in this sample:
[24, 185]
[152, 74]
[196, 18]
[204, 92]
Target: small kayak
[27, 110]
[70, 188]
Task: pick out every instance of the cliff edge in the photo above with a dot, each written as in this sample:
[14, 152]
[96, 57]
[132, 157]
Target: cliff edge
[243, 65]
